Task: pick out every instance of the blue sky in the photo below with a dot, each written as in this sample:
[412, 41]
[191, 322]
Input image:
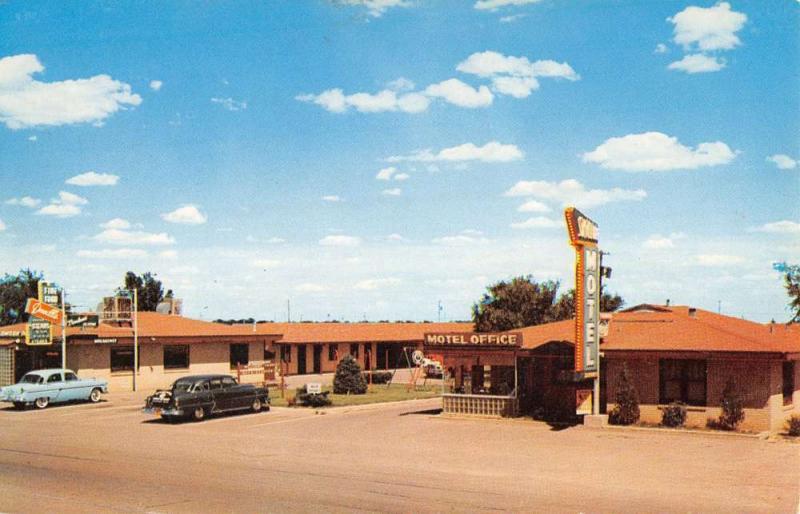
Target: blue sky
[366, 159]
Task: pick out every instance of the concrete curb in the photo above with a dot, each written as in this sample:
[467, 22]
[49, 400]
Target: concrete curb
[688, 431]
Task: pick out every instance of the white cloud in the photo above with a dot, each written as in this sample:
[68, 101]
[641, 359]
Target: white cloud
[377, 283]
[402, 176]
[275, 240]
[266, 263]
[661, 48]
[698, 63]
[168, 254]
[572, 192]
[65, 206]
[392, 192]
[467, 237]
[33, 138]
[512, 18]
[187, 215]
[533, 206]
[230, 104]
[2, 226]
[331, 198]
[493, 5]
[25, 102]
[376, 8]
[386, 173]
[25, 201]
[514, 76]
[463, 95]
[340, 241]
[155, 85]
[90, 178]
[117, 223]
[537, 222]
[401, 84]
[490, 152]
[654, 151]
[783, 162]
[133, 238]
[779, 227]
[395, 237]
[310, 287]
[119, 253]
[718, 259]
[712, 28]
[657, 242]
[387, 100]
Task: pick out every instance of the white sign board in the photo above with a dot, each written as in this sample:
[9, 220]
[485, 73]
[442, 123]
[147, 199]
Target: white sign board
[314, 388]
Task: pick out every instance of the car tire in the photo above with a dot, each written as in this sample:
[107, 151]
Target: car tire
[42, 402]
[199, 414]
[94, 396]
[19, 405]
[257, 405]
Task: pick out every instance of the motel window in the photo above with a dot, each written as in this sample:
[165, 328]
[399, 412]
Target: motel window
[269, 355]
[788, 381]
[354, 350]
[333, 350]
[176, 356]
[122, 358]
[682, 380]
[240, 354]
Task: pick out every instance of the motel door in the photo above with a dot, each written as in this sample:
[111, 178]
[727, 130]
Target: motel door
[301, 359]
[317, 359]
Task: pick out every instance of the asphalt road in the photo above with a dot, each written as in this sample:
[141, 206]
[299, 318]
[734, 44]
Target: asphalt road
[397, 458]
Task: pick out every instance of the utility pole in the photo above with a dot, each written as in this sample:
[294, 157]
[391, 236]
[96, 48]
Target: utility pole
[63, 331]
[439, 312]
[135, 336]
[288, 310]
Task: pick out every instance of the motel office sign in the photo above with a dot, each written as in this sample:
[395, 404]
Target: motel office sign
[583, 237]
[483, 339]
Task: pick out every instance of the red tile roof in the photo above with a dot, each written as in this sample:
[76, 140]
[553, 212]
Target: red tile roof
[358, 332]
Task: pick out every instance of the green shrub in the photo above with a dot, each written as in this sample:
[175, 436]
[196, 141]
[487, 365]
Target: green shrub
[307, 399]
[378, 377]
[626, 411]
[674, 415]
[793, 425]
[732, 408]
[348, 378]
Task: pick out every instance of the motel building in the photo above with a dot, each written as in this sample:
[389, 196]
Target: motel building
[672, 353]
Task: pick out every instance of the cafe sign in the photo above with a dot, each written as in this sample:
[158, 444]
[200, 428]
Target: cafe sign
[583, 236]
[39, 332]
[482, 339]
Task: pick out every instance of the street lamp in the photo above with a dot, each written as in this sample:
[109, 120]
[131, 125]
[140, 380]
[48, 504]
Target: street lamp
[133, 293]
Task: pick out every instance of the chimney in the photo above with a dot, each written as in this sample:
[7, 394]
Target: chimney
[692, 312]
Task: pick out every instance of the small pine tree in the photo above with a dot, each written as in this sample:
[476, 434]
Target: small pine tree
[348, 378]
[732, 407]
[626, 411]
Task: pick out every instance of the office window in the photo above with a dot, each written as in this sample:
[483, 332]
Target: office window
[682, 380]
[354, 350]
[788, 381]
[176, 356]
[122, 358]
[333, 352]
[286, 353]
[240, 354]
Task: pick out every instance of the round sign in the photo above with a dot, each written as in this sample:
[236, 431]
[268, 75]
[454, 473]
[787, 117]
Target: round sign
[417, 357]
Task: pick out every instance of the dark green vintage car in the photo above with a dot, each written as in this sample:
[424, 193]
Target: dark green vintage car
[199, 396]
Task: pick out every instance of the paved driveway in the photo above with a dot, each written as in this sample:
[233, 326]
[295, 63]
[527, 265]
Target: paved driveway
[398, 458]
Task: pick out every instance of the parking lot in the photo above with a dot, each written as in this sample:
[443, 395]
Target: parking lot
[404, 457]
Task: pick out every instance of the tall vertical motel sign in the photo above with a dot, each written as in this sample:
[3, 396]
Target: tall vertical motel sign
[583, 237]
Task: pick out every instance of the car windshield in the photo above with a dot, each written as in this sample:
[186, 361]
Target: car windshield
[31, 378]
[182, 386]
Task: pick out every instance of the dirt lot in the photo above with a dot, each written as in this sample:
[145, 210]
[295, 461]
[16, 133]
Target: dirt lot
[391, 458]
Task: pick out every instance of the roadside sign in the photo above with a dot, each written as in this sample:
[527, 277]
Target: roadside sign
[49, 293]
[83, 320]
[314, 388]
[39, 332]
[43, 311]
[105, 340]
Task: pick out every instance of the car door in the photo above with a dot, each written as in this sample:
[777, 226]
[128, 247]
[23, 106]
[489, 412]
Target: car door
[218, 394]
[236, 394]
[54, 385]
[74, 388]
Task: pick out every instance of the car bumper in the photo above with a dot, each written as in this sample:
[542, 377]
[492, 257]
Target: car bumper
[158, 411]
[16, 398]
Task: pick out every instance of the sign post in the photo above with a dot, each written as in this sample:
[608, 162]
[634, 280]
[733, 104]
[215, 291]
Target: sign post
[583, 238]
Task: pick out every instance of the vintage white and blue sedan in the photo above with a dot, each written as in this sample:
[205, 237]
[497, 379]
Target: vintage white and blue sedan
[42, 387]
